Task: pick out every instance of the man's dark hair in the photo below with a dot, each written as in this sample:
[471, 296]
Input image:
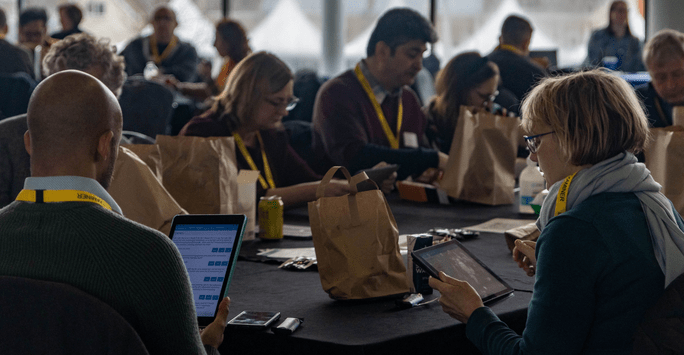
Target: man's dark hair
[516, 30]
[3, 18]
[398, 26]
[32, 14]
[73, 12]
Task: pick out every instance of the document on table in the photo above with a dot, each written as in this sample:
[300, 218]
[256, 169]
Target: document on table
[287, 253]
[500, 225]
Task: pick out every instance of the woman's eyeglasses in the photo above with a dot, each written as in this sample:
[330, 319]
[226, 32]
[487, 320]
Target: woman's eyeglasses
[289, 105]
[534, 141]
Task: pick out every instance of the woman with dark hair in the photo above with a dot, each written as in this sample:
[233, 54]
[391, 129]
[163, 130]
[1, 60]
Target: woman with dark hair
[468, 79]
[251, 108]
[617, 41]
[70, 16]
[232, 45]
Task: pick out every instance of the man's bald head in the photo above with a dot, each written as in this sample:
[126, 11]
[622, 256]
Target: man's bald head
[70, 116]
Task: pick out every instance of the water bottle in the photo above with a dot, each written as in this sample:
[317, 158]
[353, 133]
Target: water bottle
[531, 183]
[150, 71]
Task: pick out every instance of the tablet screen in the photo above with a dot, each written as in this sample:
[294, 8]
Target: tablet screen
[206, 251]
[459, 263]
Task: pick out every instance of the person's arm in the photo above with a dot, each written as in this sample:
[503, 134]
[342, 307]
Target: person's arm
[594, 51]
[412, 161]
[302, 193]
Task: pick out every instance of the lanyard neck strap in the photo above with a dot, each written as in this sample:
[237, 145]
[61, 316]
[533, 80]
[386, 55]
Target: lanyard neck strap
[47, 196]
[562, 198]
[508, 47]
[167, 51]
[393, 140]
[252, 165]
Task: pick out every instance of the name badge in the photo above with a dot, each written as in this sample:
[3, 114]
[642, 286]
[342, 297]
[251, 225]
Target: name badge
[410, 140]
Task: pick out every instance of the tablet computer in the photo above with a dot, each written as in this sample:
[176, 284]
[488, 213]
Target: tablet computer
[209, 245]
[456, 261]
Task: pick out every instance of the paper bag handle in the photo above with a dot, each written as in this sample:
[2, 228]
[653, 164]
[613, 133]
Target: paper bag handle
[320, 191]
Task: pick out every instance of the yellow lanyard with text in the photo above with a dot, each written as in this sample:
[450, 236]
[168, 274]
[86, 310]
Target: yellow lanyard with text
[250, 161]
[167, 51]
[562, 198]
[393, 140]
[46, 196]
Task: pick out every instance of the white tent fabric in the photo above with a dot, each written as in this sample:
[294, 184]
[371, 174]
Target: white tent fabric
[286, 31]
[356, 49]
[194, 27]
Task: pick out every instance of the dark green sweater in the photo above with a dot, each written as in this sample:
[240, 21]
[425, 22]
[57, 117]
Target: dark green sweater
[136, 270]
[596, 276]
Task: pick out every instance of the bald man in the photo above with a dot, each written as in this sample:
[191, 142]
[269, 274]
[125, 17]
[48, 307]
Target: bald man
[171, 55]
[65, 227]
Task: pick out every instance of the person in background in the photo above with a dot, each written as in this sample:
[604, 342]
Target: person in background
[610, 240]
[369, 115]
[250, 108]
[65, 227]
[70, 16]
[664, 59]
[468, 79]
[163, 48]
[13, 59]
[81, 52]
[518, 72]
[232, 45]
[616, 40]
[33, 35]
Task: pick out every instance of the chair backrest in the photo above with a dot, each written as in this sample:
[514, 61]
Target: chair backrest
[43, 317]
[146, 106]
[662, 329]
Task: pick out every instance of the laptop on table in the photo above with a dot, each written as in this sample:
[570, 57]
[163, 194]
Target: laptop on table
[209, 245]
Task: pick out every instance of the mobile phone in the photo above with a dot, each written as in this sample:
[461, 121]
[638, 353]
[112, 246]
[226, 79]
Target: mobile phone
[254, 320]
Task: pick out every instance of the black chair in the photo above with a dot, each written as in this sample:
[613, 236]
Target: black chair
[43, 317]
[146, 106]
[662, 329]
[15, 91]
[136, 138]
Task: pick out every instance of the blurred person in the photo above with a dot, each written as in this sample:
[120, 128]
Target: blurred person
[232, 45]
[664, 59]
[518, 72]
[70, 16]
[467, 80]
[610, 240]
[65, 227]
[370, 115]
[13, 59]
[81, 52]
[171, 55]
[33, 35]
[616, 40]
[250, 108]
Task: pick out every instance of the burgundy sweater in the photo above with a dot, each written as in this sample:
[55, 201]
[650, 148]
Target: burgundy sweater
[346, 129]
[287, 167]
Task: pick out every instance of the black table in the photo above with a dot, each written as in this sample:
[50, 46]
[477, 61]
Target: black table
[364, 327]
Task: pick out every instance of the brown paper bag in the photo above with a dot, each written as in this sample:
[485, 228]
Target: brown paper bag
[481, 165]
[200, 173]
[356, 242]
[140, 195]
[526, 232]
[664, 157]
[149, 153]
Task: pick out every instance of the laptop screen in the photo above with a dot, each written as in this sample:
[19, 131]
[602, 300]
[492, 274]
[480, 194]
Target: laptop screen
[207, 251]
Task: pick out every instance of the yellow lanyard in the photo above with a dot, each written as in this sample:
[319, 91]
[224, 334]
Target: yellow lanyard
[393, 140]
[250, 161]
[508, 47]
[40, 196]
[562, 198]
[167, 51]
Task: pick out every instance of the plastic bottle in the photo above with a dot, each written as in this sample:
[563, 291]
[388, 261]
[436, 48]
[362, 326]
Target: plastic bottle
[150, 71]
[531, 183]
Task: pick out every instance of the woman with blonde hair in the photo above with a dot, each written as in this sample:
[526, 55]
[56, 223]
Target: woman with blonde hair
[257, 96]
[610, 241]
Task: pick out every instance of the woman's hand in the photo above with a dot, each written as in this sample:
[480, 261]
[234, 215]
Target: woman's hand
[387, 185]
[337, 188]
[459, 300]
[213, 333]
[523, 254]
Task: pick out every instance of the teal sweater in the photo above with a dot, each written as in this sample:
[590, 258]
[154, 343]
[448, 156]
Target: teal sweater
[596, 276]
[136, 270]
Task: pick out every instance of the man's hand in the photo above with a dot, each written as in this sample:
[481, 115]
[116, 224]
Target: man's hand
[387, 185]
[459, 300]
[523, 254]
[213, 333]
